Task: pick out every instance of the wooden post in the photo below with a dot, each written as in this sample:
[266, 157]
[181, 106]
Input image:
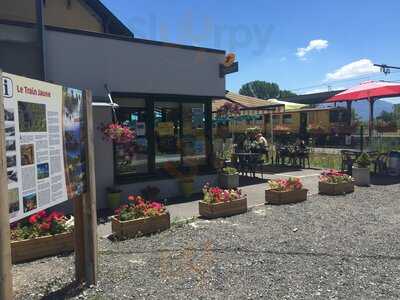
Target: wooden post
[6, 288]
[89, 198]
[79, 237]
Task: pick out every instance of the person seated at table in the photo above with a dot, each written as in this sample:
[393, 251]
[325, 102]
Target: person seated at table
[262, 142]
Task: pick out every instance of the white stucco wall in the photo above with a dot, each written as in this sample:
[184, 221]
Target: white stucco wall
[89, 62]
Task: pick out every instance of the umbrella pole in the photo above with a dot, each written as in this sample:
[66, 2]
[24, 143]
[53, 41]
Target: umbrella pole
[371, 117]
[362, 138]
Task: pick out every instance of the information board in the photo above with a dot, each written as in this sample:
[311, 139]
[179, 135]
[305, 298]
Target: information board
[38, 117]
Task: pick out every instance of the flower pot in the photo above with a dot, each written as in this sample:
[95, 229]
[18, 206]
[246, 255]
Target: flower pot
[186, 188]
[138, 227]
[222, 209]
[113, 200]
[228, 181]
[333, 189]
[361, 176]
[277, 198]
[27, 250]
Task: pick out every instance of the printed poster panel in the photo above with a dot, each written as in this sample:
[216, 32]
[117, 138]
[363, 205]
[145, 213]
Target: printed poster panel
[74, 146]
[35, 148]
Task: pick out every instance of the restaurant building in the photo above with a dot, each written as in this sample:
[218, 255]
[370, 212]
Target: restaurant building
[164, 91]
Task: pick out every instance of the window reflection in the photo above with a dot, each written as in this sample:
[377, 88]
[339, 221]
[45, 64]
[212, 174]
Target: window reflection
[132, 158]
[193, 137]
[167, 132]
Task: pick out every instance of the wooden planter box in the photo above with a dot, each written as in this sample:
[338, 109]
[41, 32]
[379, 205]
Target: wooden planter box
[223, 209]
[275, 197]
[27, 250]
[335, 189]
[138, 227]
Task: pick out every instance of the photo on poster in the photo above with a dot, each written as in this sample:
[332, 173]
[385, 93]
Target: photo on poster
[42, 171]
[10, 130]
[10, 145]
[11, 161]
[27, 155]
[74, 148]
[13, 200]
[12, 175]
[30, 202]
[32, 117]
[9, 114]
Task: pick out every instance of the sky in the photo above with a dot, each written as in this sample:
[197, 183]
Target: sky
[303, 45]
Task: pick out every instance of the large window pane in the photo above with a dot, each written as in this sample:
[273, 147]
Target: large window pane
[193, 137]
[132, 158]
[167, 133]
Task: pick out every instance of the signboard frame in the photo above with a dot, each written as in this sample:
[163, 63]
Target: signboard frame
[6, 285]
[85, 211]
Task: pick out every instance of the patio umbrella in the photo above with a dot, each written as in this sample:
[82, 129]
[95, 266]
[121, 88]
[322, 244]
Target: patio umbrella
[371, 91]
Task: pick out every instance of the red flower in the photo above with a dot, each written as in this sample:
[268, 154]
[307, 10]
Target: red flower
[45, 226]
[33, 219]
[42, 214]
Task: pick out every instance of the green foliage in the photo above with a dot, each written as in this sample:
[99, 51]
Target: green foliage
[264, 90]
[363, 161]
[252, 131]
[229, 171]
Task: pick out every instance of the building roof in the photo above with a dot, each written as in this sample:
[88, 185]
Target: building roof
[245, 102]
[315, 98]
[114, 25]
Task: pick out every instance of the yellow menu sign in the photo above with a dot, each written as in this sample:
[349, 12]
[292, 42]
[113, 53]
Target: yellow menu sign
[165, 128]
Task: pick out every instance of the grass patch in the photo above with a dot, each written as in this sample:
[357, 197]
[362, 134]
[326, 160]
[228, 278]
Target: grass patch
[325, 161]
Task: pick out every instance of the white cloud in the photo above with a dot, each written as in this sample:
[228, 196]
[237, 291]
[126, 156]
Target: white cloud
[312, 45]
[354, 69]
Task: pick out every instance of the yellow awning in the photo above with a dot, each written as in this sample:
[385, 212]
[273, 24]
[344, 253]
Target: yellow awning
[288, 105]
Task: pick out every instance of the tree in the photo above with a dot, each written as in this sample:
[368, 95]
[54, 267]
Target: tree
[264, 90]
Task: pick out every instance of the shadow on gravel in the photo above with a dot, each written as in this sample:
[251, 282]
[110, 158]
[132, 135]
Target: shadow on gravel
[245, 180]
[70, 290]
[385, 180]
[343, 256]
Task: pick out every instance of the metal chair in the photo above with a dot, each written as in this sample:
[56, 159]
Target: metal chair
[381, 163]
[348, 159]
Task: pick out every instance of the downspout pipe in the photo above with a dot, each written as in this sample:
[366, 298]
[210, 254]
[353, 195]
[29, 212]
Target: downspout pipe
[40, 31]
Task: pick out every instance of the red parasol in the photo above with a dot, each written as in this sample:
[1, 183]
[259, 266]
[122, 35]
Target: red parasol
[369, 90]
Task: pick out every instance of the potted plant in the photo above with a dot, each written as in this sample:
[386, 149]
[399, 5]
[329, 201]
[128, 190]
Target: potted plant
[150, 193]
[361, 172]
[229, 178]
[281, 129]
[41, 235]
[218, 203]
[120, 134]
[285, 191]
[139, 217]
[186, 180]
[315, 129]
[113, 197]
[333, 182]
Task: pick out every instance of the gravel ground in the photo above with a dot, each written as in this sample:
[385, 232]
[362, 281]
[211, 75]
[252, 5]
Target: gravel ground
[344, 247]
